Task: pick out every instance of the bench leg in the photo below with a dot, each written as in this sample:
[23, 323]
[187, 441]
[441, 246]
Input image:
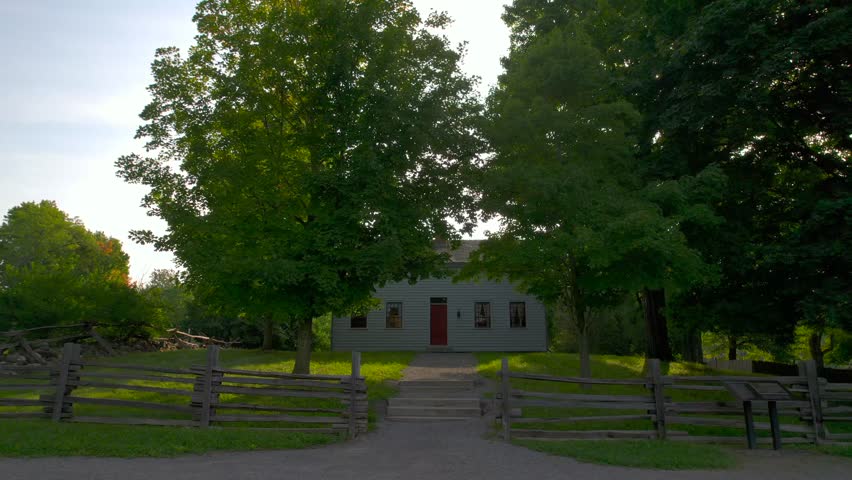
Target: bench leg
[775, 424]
[751, 436]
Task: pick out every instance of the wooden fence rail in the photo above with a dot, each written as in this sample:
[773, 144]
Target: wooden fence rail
[801, 408]
[199, 396]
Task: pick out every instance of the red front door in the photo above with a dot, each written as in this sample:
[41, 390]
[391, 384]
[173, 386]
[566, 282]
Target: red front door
[438, 316]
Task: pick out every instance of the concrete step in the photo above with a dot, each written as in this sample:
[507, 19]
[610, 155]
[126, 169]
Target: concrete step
[419, 411]
[428, 419]
[463, 402]
[439, 349]
[435, 393]
[451, 384]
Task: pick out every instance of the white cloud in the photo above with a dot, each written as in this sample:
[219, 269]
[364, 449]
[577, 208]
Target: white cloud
[119, 108]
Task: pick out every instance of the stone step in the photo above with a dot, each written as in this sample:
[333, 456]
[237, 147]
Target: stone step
[434, 393]
[464, 402]
[420, 411]
[429, 419]
[451, 384]
[439, 349]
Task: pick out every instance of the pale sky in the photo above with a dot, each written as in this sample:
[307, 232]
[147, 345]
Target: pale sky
[73, 83]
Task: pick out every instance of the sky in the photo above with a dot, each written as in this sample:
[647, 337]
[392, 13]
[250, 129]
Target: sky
[73, 83]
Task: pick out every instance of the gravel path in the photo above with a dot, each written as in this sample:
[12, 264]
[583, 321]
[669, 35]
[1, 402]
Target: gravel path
[451, 450]
[441, 366]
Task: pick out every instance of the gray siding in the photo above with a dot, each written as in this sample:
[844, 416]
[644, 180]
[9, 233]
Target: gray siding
[462, 336]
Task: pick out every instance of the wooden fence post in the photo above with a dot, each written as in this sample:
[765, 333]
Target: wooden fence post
[353, 394]
[815, 398]
[656, 378]
[207, 399]
[70, 356]
[506, 394]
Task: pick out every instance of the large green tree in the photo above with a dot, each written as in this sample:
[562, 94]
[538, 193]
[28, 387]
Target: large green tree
[305, 151]
[756, 90]
[53, 271]
[578, 226]
[762, 89]
[618, 31]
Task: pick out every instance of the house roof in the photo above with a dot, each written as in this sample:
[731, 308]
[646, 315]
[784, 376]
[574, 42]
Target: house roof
[460, 254]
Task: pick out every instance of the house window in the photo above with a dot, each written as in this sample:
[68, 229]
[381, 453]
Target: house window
[518, 314]
[482, 315]
[358, 321]
[394, 315]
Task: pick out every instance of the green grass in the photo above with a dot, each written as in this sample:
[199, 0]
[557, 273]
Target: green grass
[640, 454]
[40, 437]
[568, 364]
[605, 366]
[377, 367]
[833, 450]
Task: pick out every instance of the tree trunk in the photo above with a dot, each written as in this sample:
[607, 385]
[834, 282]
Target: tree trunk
[268, 334]
[653, 305]
[692, 348]
[733, 343]
[303, 347]
[585, 355]
[574, 302]
[817, 353]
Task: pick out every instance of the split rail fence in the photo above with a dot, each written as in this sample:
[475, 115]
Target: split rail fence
[198, 396]
[802, 409]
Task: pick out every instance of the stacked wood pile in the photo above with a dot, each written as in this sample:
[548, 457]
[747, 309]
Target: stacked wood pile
[196, 396]
[177, 339]
[732, 365]
[659, 407]
[17, 349]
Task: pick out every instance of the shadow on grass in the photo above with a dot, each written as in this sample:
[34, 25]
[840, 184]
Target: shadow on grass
[639, 454]
[43, 438]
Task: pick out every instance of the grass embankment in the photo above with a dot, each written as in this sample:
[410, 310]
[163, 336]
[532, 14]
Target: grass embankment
[835, 450]
[41, 437]
[638, 453]
[666, 455]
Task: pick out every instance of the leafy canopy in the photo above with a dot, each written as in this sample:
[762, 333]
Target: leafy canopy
[761, 88]
[576, 216]
[305, 151]
[53, 271]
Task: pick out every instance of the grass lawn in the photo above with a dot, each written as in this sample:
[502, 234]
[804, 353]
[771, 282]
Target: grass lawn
[41, 437]
[638, 453]
[604, 366]
[377, 367]
[835, 450]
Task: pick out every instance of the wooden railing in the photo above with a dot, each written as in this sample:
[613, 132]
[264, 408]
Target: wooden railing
[689, 408]
[20, 390]
[836, 400]
[197, 396]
